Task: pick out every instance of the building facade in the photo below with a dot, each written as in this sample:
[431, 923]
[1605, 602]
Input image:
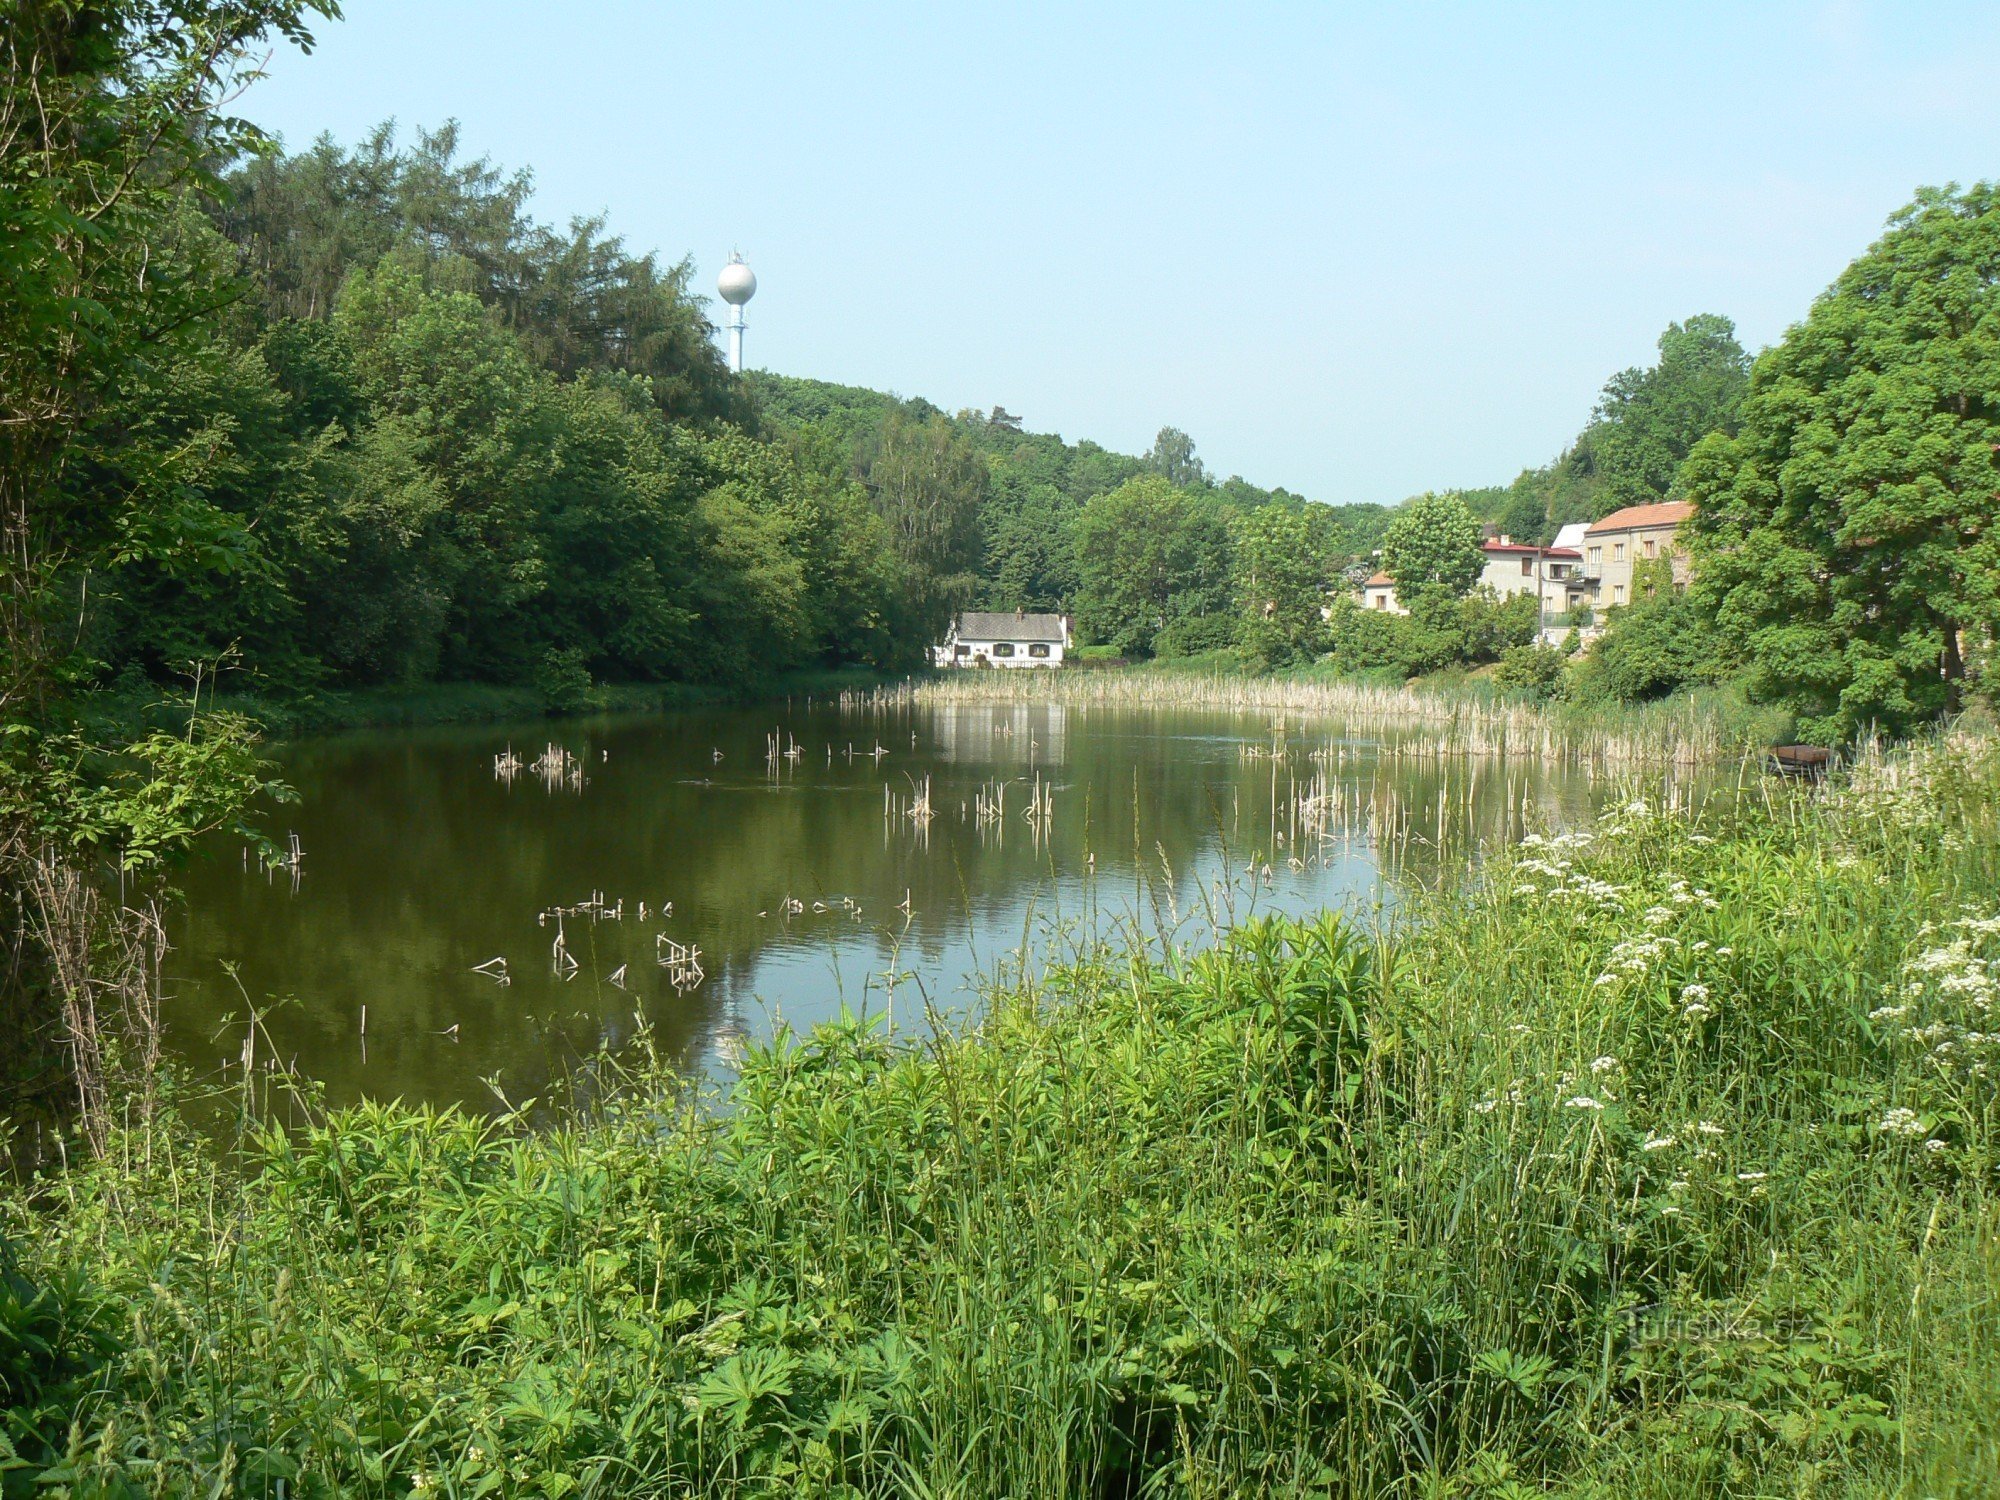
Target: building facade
[997, 638]
[1617, 546]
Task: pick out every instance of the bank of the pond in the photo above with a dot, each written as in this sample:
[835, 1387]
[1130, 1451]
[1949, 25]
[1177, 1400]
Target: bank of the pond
[424, 705]
[1654, 1162]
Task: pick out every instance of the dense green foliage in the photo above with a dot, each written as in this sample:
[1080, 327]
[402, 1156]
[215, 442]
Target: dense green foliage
[1850, 536]
[109, 125]
[1226, 564]
[1432, 548]
[1646, 423]
[1659, 1161]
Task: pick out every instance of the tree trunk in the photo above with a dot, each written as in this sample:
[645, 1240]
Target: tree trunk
[1953, 668]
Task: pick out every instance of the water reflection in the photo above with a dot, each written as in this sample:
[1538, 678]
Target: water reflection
[777, 847]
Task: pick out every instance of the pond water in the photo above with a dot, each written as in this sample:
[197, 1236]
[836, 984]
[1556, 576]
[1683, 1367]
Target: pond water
[713, 873]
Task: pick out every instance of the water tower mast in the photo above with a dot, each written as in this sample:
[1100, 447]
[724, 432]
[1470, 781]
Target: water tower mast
[738, 285]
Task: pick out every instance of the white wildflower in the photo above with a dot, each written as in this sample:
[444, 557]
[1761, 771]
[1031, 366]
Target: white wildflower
[1605, 1064]
[1582, 1101]
[1656, 1143]
[1903, 1122]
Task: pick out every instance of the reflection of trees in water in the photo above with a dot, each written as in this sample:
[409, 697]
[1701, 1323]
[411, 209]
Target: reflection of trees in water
[420, 864]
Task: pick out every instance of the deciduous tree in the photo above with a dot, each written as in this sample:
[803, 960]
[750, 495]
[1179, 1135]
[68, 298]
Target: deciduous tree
[1848, 538]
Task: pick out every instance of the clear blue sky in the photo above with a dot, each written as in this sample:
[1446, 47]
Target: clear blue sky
[1357, 250]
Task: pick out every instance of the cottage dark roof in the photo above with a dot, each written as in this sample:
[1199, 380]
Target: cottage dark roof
[1665, 513]
[1005, 625]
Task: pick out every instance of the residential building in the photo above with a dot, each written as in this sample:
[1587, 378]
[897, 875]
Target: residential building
[1379, 592]
[1509, 569]
[997, 638]
[1615, 547]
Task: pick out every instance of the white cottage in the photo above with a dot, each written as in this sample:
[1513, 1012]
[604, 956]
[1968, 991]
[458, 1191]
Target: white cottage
[997, 638]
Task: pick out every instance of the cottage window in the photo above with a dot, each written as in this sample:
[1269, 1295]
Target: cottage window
[1038, 649]
[1005, 648]
[1527, 567]
[961, 651]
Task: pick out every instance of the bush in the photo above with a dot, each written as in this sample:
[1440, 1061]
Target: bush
[1194, 636]
[562, 677]
[1534, 670]
[1364, 640]
[1659, 643]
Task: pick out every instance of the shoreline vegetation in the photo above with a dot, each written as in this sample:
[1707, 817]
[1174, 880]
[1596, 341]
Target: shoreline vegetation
[1449, 720]
[1650, 1161]
[1468, 716]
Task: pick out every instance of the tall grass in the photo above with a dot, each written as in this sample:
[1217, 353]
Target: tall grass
[1415, 720]
[1657, 1161]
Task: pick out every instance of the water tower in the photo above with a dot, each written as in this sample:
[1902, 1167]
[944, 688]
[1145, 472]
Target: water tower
[738, 284]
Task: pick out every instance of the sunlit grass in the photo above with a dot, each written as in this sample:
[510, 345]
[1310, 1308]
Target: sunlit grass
[1602, 1170]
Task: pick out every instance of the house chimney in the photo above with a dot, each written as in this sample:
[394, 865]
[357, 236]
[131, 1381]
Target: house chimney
[1506, 540]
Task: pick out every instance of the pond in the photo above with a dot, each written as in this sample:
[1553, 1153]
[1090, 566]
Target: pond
[492, 905]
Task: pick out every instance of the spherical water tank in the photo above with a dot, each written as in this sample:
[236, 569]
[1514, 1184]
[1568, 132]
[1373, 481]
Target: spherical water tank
[737, 283]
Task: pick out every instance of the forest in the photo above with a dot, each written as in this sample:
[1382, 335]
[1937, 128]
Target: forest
[413, 435]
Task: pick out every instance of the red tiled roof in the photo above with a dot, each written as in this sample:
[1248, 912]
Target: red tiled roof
[1564, 553]
[1665, 513]
[1492, 544]
[1379, 581]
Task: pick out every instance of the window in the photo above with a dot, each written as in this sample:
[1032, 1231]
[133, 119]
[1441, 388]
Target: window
[961, 651]
[1527, 567]
[1596, 557]
[1617, 593]
[1038, 650]
[1618, 552]
[1381, 601]
[1650, 546]
[1005, 648]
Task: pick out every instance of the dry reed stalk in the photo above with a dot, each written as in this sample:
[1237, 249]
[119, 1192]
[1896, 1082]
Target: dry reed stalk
[106, 965]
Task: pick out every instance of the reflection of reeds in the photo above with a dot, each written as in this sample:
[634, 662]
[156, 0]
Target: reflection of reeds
[1413, 722]
[682, 961]
[560, 770]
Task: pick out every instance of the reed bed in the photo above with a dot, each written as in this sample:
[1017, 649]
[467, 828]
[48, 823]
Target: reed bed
[1415, 722]
[1657, 1160]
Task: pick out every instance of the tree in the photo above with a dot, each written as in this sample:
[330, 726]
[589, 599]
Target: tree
[1432, 547]
[1282, 572]
[1172, 457]
[1149, 555]
[577, 299]
[1848, 539]
[1648, 421]
[109, 125]
[928, 485]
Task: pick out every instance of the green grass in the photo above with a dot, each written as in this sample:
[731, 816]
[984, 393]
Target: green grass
[1604, 1171]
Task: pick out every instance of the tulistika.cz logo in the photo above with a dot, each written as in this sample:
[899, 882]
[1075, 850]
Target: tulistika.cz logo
[1666, 1323]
